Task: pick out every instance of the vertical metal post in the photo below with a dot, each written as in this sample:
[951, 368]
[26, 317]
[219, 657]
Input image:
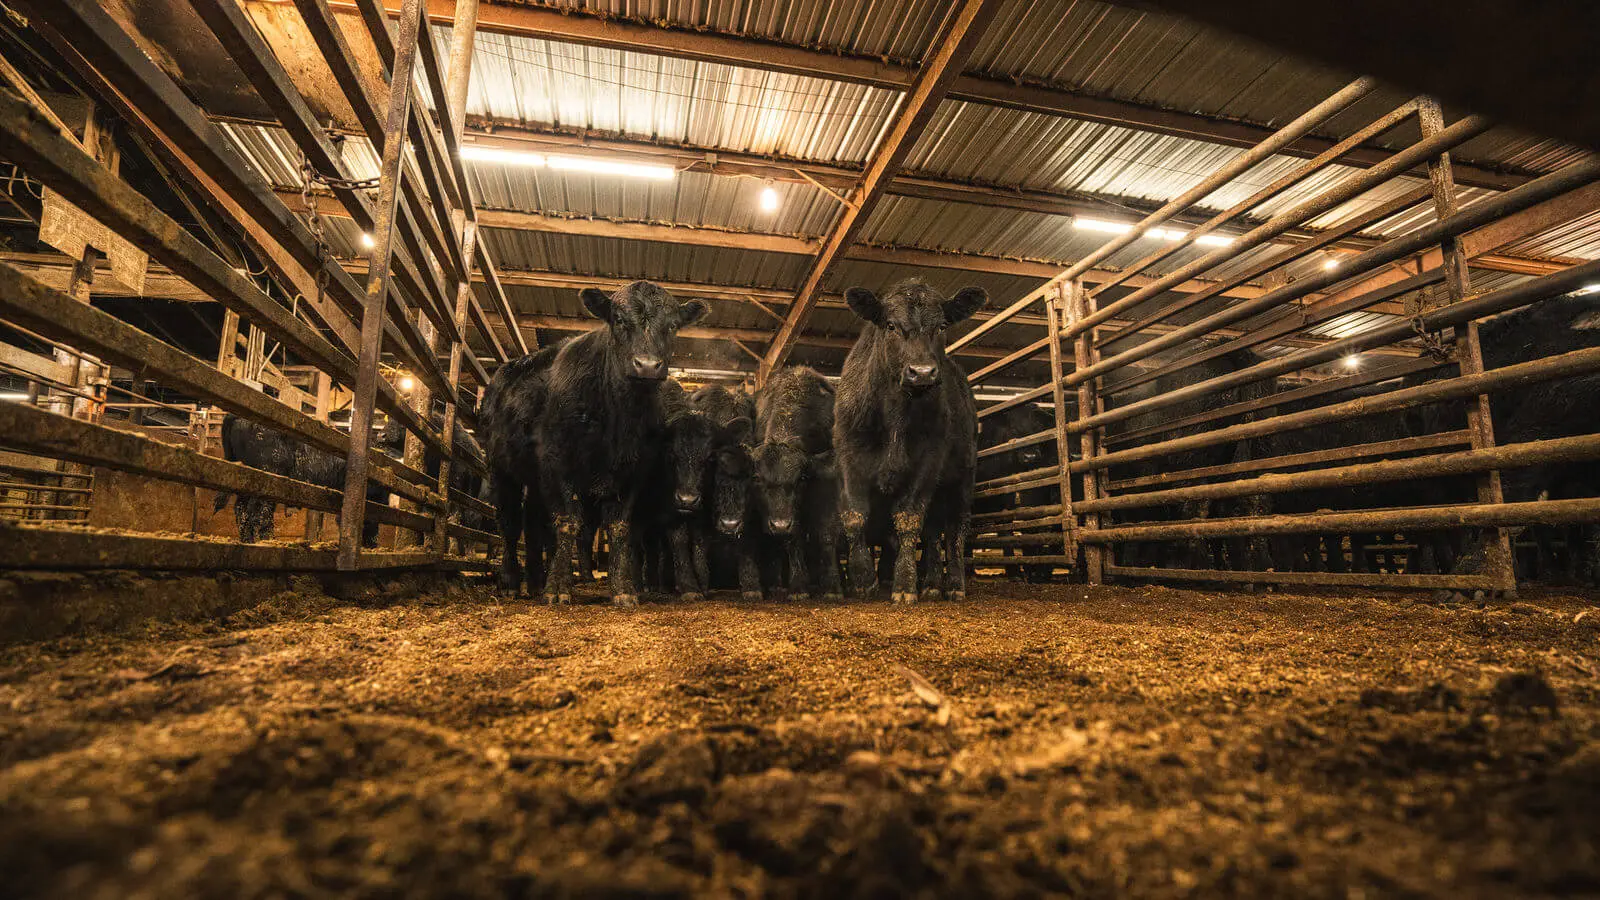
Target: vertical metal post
[353, 513]
[1085, 355]
[1055, 312]
[421, 400]
[469, 245]
[459, 75]
[1498, 563]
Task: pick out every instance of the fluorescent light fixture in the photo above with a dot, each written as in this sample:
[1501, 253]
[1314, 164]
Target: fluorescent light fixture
[1352, 362]
[1083, 224]
[505, 157]
[407, 383]
[607, 167]
[12, 395]
[367, 241]
[1588, 289]
[769, 199]
[566, 163]
[1165, 234]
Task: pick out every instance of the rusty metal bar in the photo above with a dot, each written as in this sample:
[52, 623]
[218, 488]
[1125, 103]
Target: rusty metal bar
[1317, 579]
[1458, 284]
[1027, 440]
[1255, 270]
[60, 548]
[90, 186]
[1466, 462]
[367, 376]
[1311, 167]
[1291, 460]
[1055, 313]
[1009, 360]
[1029, 475]
[1421, 518]
[1084, 355]
[1235, 167]
[1564, 365]
[1020, 514]
[26, 302]
[1456, 134]
[34, 430]
[1574, 176]
[1376, 375]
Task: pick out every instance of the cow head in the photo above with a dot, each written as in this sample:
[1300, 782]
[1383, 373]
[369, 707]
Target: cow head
[780, 471]
[691, 439]
[643, 320]
[730, 483]
[913, 318]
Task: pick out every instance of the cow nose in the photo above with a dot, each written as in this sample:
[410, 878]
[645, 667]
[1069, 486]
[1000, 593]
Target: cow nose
[780, 526]
[918, 376]
[728, 526]
[652, 367]
[1030, 456]
[688, 500]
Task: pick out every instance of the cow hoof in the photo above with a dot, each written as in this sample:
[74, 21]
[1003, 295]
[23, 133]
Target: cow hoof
[750, 596]
[932, 595]
[799, 597]
[691, 597]
[957, 596]
[834, 597]
[903, 598]
[626, 601]
[557, 599]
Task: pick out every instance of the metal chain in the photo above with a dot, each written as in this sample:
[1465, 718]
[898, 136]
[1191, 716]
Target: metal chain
[1432, 341]
[308, 174]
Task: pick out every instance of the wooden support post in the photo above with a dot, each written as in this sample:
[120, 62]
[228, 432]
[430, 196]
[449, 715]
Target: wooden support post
[1085, 355]
[322, 387]
[1055, 311]
[353, 514]
[469, 241]
[1499, 563]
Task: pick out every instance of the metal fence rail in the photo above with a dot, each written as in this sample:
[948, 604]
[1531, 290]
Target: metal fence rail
[417, 306]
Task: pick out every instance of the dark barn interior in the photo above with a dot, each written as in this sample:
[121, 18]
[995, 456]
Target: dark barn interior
[900, 448]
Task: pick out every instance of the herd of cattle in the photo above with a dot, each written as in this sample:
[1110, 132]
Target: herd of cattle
[813, 487]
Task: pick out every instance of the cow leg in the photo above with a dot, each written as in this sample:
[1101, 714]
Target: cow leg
[955, 545]
[857, 499]
[241, 518]
[536, 538]
[688, 586]
[508, 515]
[908, 521]
[929, 569]
[749, 568]
[586, 536]
[623, 565]
[827, 562]
[794, 546]
[699, 538]
[568, 518]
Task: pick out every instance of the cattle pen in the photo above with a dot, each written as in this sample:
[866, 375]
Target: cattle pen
[1029, 447]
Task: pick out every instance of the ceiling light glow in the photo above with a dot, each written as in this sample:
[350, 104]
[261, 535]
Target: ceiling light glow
[769, 199]
[1165, 234]
[476, 153]
[407, 383]
[1588, 289]
[367, 241]
[1352, 362]
[1100, 225]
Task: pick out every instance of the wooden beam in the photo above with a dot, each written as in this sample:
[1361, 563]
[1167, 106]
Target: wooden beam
[955, 43]
[677, 40]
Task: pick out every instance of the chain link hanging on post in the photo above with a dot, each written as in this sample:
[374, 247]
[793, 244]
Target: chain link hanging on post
[1433, 342]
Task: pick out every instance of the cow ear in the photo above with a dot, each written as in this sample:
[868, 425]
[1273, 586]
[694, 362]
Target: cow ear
[966, 302]
[865, 304]
[598, 303]
[739, 429]
[690, 312]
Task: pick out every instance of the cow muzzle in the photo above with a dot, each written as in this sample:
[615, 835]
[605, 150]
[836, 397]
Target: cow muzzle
[688, 501]
[650, 368]
[778, 525]
[919, 377]
[730, 527]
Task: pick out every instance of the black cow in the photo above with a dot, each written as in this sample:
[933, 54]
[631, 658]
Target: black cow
[1002, 427]
[269, 449]
[512, 404]
[672, 516]
[797, 478]
[601, 425]
[905, 431]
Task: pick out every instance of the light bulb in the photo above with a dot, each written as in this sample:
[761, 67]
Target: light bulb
[769, 199]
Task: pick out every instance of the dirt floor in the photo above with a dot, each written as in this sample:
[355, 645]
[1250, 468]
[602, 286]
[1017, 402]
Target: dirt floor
[1114, 742]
